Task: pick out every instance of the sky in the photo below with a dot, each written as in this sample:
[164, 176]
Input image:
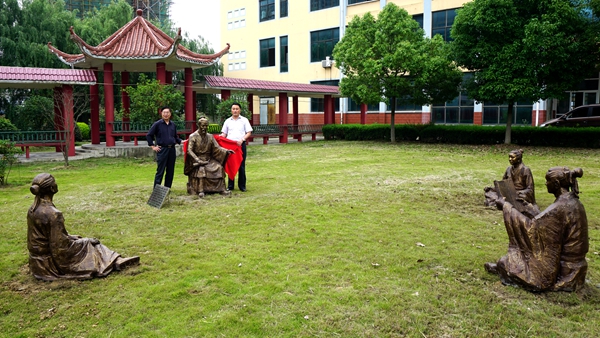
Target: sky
[198, 17]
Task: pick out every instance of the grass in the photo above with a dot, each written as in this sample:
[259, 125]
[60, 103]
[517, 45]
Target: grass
[332, 239]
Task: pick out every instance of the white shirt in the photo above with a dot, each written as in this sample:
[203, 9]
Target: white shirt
[236, 129]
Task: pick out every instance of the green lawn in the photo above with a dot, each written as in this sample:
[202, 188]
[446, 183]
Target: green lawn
[332, 239]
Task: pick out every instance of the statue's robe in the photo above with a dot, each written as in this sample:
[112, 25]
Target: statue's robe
[54, 254]
[546, 252]
[209, 176]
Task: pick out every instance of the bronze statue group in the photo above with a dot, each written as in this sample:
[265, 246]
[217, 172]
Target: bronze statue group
[546, 249]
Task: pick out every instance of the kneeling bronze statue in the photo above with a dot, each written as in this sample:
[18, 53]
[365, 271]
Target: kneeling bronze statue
[520, 177]
[53, 253]
[547, 252]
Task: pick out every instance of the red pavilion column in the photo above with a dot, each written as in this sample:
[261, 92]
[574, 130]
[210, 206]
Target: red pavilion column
[161, 73]
[125, 104]
[225, 94]
[189, 98]
[295, 117]
[109, 104]
[95, 109]
[363, 113]
[283, 117]
[326, 112]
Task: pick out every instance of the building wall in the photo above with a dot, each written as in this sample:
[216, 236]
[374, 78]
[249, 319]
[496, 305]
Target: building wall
[243, 30]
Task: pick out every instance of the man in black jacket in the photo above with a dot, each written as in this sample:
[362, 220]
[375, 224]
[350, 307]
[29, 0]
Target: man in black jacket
[165, 133]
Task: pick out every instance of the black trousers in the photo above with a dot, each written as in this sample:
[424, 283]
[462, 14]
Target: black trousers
[165, 161]
[241, 172]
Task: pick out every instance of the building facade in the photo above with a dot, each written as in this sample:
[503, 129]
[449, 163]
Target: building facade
[292, 41]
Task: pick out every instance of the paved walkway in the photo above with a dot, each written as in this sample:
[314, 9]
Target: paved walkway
[124, 149]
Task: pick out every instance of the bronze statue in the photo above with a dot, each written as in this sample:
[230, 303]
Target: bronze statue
[547, 252]
[520, 176]
[204, 163]
[53, 253]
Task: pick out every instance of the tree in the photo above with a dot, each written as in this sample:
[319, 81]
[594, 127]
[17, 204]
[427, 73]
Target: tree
[523, 49]
[390, 60]
[97, 25]
[37, 113]
[8, 157]
[224, 107]
[148, 96]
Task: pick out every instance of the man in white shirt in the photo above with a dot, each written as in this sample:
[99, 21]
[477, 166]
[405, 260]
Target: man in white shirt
[237, 128]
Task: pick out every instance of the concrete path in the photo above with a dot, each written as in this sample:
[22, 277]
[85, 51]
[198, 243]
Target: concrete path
[125, 149]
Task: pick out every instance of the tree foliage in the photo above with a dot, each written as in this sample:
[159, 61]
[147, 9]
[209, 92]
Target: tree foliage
[224, 107]
[389, 59]
[37, 113]
[6, 125]
[523, 49]
[149, 96]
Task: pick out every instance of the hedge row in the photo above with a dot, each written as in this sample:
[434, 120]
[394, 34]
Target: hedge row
[467, 134]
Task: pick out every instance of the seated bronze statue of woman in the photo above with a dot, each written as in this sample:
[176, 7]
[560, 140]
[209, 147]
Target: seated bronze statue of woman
[547, 252]
[53, 253]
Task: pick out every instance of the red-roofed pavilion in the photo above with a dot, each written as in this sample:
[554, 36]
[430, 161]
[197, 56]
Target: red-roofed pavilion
[61, 81]
[139, 46]
[283, 90]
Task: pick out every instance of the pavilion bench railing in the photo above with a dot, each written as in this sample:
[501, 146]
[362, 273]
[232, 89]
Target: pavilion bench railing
[273, 130]
[139, 129]
[35, 138]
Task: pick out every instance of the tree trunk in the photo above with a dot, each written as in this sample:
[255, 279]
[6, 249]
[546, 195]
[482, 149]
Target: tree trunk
[509, 119]
[392, 121]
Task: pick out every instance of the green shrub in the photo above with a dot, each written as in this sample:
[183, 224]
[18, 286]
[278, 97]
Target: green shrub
[84, 130]
[6, 125]
[467, 134]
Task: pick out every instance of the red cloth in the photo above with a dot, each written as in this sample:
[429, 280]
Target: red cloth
[185, 142]
[233, 160]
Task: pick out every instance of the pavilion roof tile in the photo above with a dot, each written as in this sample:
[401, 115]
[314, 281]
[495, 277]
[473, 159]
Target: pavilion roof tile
[138, 40]
[249, 84]
[29, 77]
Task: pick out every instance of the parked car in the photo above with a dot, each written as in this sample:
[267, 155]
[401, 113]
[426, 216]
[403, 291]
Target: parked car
[582, 116]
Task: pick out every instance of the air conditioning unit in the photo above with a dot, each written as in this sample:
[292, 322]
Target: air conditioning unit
[326, 63]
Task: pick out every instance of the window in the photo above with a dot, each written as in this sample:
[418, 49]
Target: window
[351, 2]
[418, 18]
[267, 10]
[460, 110]
[442, 22]
[316, 5]
[353, 106]
[267, 52]
[322, 43]
[404, 105]
[283, 8]
[283, 54]
[494, 113]
[318, 105]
